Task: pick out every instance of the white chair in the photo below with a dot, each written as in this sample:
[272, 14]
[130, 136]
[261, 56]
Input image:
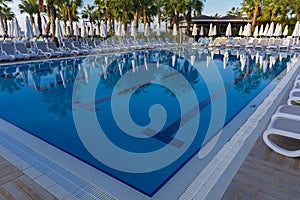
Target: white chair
[286, 127]
[45, 51]
[9, 49]
[20, 46]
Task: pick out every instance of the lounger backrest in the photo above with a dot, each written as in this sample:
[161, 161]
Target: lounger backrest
[263, 41]
[271, 40]
[98, 42]
[242, 41]
[69, 45]
[42, 46]
[255, 41]
[8, 48]
[235, 40]
[21, 47]
[223, 41]
[77, 44]
[278, 41]
[51, 45]
[286, 42]
[91, 43]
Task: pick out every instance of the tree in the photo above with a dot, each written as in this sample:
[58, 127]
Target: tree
[87, 13]
[104, 6]
[295, 8]
[159, 5]
[7, 15]
[30, 7]
[71, 8]
[51, 12]
[252, 8]
[2, 5]
[234, 11]
[175, 8]
[274, 10]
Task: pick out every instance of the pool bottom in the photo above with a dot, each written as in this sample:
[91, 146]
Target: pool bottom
[111, 186]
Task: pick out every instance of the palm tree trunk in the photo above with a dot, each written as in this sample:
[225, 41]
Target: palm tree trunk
[273, 15]
[145, 17]
[137, 17]
[70, 19]
[109, 19]
[297, 15]
[31, 19]
[255, 13]
[52, 13]
[39, 22]
[159, 16]
[5, 25]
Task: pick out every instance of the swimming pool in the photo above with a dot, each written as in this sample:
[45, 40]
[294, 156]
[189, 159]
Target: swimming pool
[48, 98]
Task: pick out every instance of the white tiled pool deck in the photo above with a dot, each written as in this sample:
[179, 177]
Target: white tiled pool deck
[68, 178]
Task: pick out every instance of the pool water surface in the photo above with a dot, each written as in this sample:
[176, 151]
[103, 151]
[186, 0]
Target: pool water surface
[45, 97]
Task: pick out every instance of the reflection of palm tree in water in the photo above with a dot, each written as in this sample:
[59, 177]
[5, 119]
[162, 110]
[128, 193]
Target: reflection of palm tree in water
[59, 99]
[11, 83]
[58, 96]
[247, 80]
[250, 79]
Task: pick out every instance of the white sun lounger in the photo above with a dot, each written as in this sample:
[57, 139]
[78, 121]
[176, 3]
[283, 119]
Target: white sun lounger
[288, 111]
[294, 98]
[285, 44]
[52, 45]
[9, 49]
[20, 46]
[286, 127]
[45, 51]
[5, 57]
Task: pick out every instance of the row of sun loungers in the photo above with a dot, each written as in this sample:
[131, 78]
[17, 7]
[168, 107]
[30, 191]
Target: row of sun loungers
[286, 123]
[19, 50]
[256, 43]
[24, 50]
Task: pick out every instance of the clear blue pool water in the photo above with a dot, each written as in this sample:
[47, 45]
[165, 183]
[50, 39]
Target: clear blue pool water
[37, 97]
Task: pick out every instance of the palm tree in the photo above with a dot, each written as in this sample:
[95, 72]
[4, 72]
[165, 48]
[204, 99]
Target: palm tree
[7, 15]
[295, 8]
[103, 6]
[69, 10]
[30, 7]
[51, 12]
[234, 11]
[273, 9]
[122, 10]
[87, 13]
[3, 4]
[252, 7]
[176, 8]
[159, 4]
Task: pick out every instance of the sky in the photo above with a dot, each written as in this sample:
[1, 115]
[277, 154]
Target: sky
[211, 7]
